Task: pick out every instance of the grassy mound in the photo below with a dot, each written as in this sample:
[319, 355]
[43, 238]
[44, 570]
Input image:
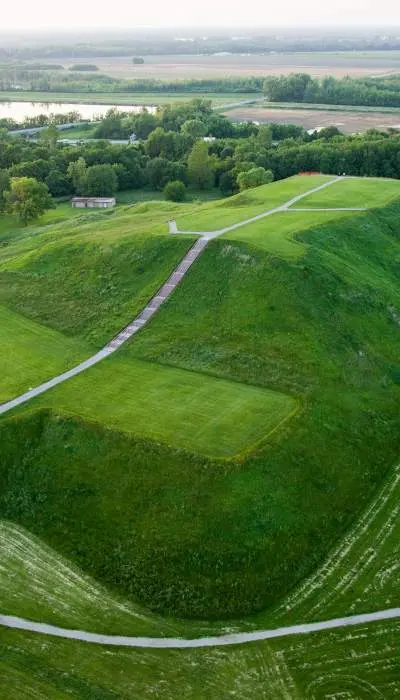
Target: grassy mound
[200, 538]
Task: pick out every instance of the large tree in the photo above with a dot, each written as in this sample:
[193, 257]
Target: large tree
[200, 166]
[28, 198]
[4, 186]
[77, 172]
[101, 181]
[254, 178]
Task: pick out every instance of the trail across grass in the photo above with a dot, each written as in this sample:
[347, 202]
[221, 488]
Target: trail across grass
[210, 217]
[31, 353]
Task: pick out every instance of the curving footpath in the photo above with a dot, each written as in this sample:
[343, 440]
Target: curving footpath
[178, 643]
[154, 304]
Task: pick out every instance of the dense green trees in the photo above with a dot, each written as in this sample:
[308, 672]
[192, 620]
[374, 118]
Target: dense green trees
[101, 181]
[200, 166]
[254, 178]
[4, 186]
[176, 149]
[300, 87]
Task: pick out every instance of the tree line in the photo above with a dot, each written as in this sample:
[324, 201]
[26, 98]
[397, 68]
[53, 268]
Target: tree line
[301, 87]
[189, 145]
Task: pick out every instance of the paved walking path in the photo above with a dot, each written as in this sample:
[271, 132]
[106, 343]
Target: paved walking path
[141, 320]
[155, 303]
[209, 235]
[179, 643]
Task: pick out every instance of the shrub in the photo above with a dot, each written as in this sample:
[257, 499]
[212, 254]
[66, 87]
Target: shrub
[175, 191]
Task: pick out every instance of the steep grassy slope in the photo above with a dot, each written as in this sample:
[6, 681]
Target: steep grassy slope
[90, 276]
[31, 353]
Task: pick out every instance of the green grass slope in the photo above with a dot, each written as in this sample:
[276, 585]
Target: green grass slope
[31, 353]
[90, 276]
[212, 216]
[354, 192]
[211, 416]
[362, 663]
[278, 234]
[200, 537]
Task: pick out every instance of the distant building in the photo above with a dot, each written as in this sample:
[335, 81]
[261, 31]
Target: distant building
[93, 202]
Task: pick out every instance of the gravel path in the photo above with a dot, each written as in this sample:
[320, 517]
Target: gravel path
[154, 304]
[179, 643]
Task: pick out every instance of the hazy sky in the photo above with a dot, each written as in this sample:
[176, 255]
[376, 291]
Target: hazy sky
[125, 13]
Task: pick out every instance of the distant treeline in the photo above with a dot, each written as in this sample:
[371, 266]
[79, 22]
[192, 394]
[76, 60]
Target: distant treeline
[196, 45]
[75, 82]
[300, 87]
[297, 87]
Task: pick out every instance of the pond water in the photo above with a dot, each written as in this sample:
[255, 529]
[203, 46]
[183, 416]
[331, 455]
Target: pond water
[21, 110]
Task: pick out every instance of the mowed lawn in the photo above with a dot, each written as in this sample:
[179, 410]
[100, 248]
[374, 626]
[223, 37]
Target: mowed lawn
[210, 217]
[31, 353]
[355, 192]
[212, 416]
[276, 233]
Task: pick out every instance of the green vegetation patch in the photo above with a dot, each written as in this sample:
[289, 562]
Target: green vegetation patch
[362, 662]
[30, 353]
[84, 287]
[210, 217]
[354, 192]
[277, 233]
[184, 409]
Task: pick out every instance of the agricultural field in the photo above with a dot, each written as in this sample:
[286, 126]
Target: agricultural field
[231, 468]
[339, 64]
[348, 121]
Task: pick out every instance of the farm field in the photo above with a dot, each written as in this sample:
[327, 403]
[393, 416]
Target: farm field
[354, 63]
[347, 120]
[296, 310]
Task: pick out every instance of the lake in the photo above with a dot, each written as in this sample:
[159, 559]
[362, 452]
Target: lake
[19, 111]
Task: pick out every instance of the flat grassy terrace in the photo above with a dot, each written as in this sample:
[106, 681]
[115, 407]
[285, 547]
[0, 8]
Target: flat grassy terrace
[354, 192]
[31, 353]
[212, 416]
[210, 217]
[276, 233]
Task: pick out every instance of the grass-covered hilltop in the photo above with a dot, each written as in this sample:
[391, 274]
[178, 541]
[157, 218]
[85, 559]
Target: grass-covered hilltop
[233, 465]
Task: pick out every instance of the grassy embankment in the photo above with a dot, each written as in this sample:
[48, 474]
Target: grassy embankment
[321, 327]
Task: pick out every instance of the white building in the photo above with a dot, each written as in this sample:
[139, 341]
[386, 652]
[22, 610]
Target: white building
[93, 202]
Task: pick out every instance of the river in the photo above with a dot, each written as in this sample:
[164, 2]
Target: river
[19, 111]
